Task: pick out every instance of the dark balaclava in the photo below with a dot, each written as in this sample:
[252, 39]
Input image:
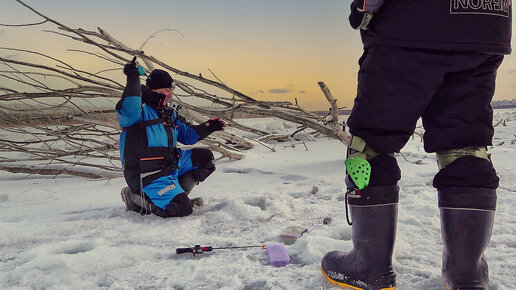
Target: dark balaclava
[159, 79]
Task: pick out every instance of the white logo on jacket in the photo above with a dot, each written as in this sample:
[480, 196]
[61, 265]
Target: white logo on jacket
[488, 7]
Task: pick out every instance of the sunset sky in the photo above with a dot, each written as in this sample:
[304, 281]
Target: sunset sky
[268, 49]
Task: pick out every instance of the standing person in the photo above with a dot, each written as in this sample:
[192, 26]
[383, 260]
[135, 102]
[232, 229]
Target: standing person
[436, 60]
[158, 174]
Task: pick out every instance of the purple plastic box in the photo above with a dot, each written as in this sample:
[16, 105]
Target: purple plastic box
[278, 255]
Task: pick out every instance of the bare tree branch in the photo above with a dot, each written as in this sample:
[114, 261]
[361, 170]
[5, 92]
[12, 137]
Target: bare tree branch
[27, 24]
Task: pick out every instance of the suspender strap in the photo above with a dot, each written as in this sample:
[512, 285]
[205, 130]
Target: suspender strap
[153, 162]
[151, 176]
[144, 124]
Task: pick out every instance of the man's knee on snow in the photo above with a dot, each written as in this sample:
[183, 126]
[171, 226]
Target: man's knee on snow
[182, 210]
[179, 206]
[468, 181]
[204, 161]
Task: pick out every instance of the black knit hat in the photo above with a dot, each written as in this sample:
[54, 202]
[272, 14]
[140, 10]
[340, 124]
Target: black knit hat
[159, 79]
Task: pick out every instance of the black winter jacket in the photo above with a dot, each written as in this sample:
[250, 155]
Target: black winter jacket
[462, 25]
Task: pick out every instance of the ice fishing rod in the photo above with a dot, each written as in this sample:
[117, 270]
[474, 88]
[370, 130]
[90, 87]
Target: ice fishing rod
[197, 249]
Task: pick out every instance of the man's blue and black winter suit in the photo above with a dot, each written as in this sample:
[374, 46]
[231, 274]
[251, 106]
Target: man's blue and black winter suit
[151, 161]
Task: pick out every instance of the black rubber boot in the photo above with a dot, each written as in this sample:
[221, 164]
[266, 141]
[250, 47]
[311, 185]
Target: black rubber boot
[369, 264]
[188, 182]
[129, 203]
[466, 234]
[136, 202]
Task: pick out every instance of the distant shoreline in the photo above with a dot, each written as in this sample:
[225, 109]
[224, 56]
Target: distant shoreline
[504, 107]
[348, 112]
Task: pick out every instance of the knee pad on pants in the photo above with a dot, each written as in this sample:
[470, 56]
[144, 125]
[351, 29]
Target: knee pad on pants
[201, 156]
[384, 167]
[467, 182]
[385, 173]
[203, 159]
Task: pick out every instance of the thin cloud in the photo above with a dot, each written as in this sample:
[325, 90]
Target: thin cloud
[257, 92]
[302, 92]
[279, 91]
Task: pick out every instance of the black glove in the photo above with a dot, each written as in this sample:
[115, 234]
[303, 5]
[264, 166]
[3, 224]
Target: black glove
[215, 124]
[133, 81]
[362, 11]
[131, 69]
[208, 127]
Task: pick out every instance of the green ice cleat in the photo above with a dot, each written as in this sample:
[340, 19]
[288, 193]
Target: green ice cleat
[359, 172]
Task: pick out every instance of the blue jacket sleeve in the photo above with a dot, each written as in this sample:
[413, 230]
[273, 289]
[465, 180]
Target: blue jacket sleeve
[186, 134]
[129, 108]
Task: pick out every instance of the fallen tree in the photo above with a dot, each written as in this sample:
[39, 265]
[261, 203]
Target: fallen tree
[52, 126]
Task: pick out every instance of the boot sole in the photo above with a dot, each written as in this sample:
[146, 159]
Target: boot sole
[197, 201]
[447, 287]
[344, 285]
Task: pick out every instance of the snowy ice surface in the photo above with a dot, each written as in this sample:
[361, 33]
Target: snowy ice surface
[72, 233]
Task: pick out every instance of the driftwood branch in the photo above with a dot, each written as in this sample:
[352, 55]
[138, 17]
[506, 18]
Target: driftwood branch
[334, 120]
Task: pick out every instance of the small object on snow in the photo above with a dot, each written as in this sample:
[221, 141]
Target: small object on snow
[327, 220]
[291, 234]
[315, 190]
[268, 219]
[278, 255]
[197, 249]
[197, 201]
